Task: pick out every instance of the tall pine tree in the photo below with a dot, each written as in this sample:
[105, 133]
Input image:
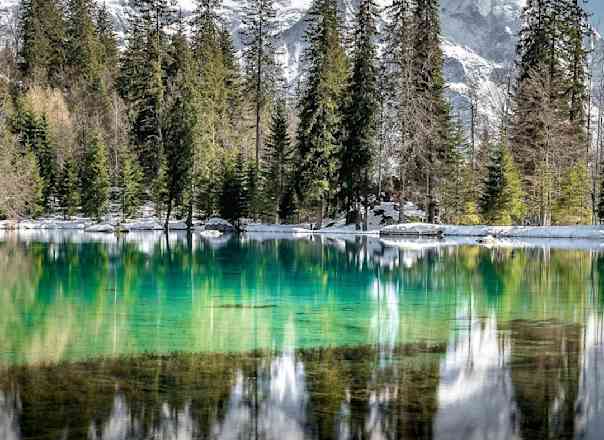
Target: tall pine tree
[360, 113]
[320, 125]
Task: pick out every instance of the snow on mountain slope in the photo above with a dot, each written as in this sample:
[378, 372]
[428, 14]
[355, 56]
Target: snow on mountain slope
[478, 41]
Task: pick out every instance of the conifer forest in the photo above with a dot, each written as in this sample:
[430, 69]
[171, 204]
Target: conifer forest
[183, 115]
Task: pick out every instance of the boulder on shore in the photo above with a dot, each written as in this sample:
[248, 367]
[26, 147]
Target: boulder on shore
[219, 224]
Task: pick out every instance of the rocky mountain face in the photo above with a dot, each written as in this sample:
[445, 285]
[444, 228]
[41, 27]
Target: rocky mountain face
[478, 40]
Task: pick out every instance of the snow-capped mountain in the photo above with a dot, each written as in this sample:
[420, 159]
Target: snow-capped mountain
[478, 39]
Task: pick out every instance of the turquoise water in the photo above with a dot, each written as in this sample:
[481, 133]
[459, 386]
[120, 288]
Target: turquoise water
[257, 336]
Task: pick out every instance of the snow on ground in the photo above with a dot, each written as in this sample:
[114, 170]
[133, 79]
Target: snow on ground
[577, 231]
[286, 229]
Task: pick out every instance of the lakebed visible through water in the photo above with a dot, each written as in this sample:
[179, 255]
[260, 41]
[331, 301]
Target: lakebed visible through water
[147, 336]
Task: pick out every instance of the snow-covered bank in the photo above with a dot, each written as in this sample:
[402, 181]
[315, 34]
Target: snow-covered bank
[111, 225]
[577, 232]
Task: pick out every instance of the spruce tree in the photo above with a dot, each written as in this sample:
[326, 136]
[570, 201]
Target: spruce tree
[142, 78]
[360, 112]
[109, 51]
[219, 100]
[160, 192]
[276, 166]
[96, 184]
[548, 133]
[69, 188]
[397, 79]
[261, 74]
[233, 197]
[502, 197]
[33, 133]
[431, 112]
[320, 114]
[34, 204]
[573, 206]
[42, 32]
[181, 121]
[83, 53]
[130, 184]
[288, 204]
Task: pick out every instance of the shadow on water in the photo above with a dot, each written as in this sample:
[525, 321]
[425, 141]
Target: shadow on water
[322, 338]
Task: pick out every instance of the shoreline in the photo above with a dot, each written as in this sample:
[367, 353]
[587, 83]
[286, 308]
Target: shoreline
[404, 230]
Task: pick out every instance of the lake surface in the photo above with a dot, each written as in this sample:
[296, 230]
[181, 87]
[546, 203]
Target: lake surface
[147, 336]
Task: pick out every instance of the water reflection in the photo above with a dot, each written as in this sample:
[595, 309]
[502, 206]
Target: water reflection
[481, 385]
[314, 338]
[475, 393]
[68, 299]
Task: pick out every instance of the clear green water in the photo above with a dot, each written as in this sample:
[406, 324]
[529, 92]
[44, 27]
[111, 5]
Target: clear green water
[143, 336]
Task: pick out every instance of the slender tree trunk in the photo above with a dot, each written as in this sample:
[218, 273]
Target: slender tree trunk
[366, 201]
[258, 93]
[168, 213]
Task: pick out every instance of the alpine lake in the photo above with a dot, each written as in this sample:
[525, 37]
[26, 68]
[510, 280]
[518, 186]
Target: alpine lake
[259, 336]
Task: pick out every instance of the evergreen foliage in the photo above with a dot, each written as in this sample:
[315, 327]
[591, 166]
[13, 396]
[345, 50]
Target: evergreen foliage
[130, 184]
[233, 202]
[573, 206]
[42, 52]
[96, 184]
[181, 121]
[69, 188]
[258, 34]
[277, 163]
[360, 112]
[502, 199]
[181, 110]
[320, 113]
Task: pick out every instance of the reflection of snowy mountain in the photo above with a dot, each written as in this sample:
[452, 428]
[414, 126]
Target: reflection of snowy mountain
[475, 391]
[172, 424]
[590, 401]
[9, 406]
[270, 404]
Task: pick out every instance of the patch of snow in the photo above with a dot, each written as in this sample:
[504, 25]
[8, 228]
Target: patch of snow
[578, 231]
[177, 226]
[347, 229]
[288, 229]
[8, 224]
[53, 223]
[141, 225]
[101, 227]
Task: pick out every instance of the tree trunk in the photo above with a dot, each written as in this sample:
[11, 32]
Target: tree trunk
[168, 213]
